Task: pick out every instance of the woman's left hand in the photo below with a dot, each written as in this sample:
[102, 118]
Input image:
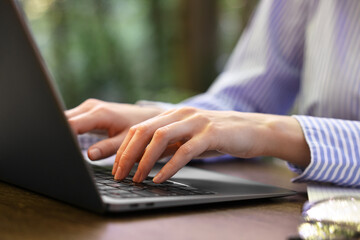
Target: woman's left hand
[188, 133]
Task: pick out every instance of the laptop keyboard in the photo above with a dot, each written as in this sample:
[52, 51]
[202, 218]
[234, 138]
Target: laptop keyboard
[129, 189]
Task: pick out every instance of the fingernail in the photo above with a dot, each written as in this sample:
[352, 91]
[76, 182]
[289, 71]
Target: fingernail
[94, 153]
[158, 178]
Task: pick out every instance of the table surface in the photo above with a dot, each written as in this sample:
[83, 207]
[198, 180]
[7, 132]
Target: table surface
[26, 215]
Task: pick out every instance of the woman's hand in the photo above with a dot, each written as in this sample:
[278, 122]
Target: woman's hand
[188, 133]
[115, 118]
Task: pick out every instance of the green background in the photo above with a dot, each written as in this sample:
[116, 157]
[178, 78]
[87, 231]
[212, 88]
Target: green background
[126, 50]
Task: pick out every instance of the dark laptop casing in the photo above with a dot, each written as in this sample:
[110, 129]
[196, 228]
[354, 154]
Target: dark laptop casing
[30, 145]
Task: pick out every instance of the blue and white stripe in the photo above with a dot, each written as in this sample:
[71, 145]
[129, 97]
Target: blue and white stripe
[307, 54]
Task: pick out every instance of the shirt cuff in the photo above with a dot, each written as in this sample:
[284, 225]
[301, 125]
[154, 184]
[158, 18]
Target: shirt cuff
[308, 130]
[333, 147]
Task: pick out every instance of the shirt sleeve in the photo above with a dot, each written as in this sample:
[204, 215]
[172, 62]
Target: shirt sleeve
[334, 147]
[263, 73]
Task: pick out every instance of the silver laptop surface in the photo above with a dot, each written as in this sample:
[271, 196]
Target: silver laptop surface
[39, 152]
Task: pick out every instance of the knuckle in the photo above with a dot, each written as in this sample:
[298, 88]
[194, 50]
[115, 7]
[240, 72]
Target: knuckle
[211, 129]
[186, 149]
[161, 133]
[91, 102]
[132, 129]
[125, 157]
[141, 129]
[100, 108]
[201, 118]
[187, 110]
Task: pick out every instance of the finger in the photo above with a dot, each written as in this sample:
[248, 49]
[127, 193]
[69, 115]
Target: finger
[131, 154]
[189, 150]
[82, 108]
[89, 121]
[121, 150]
[162, 138]
[168, 152]
[105, 148]
[83, 123]
[141, 134]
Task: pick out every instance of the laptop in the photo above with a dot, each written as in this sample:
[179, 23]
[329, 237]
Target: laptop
[39, 152]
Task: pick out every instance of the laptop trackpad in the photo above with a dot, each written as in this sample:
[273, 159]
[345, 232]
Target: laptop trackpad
[219, 183]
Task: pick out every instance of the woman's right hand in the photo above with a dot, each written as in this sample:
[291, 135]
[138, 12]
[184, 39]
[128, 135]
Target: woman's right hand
[115, 118]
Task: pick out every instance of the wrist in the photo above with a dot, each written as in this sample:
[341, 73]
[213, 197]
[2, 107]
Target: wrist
[286, 140]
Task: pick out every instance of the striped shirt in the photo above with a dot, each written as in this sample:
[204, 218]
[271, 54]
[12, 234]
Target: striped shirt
[302, 55]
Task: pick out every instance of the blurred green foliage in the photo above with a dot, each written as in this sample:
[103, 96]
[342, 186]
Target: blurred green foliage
[125, 50]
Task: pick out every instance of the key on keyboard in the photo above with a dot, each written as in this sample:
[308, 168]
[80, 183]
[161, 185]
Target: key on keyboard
[128, 189]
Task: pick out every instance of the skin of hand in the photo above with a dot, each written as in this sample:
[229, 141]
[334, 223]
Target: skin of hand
[188, 133]
[115, 118]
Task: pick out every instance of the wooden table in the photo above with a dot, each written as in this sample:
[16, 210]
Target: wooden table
[26, 215]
